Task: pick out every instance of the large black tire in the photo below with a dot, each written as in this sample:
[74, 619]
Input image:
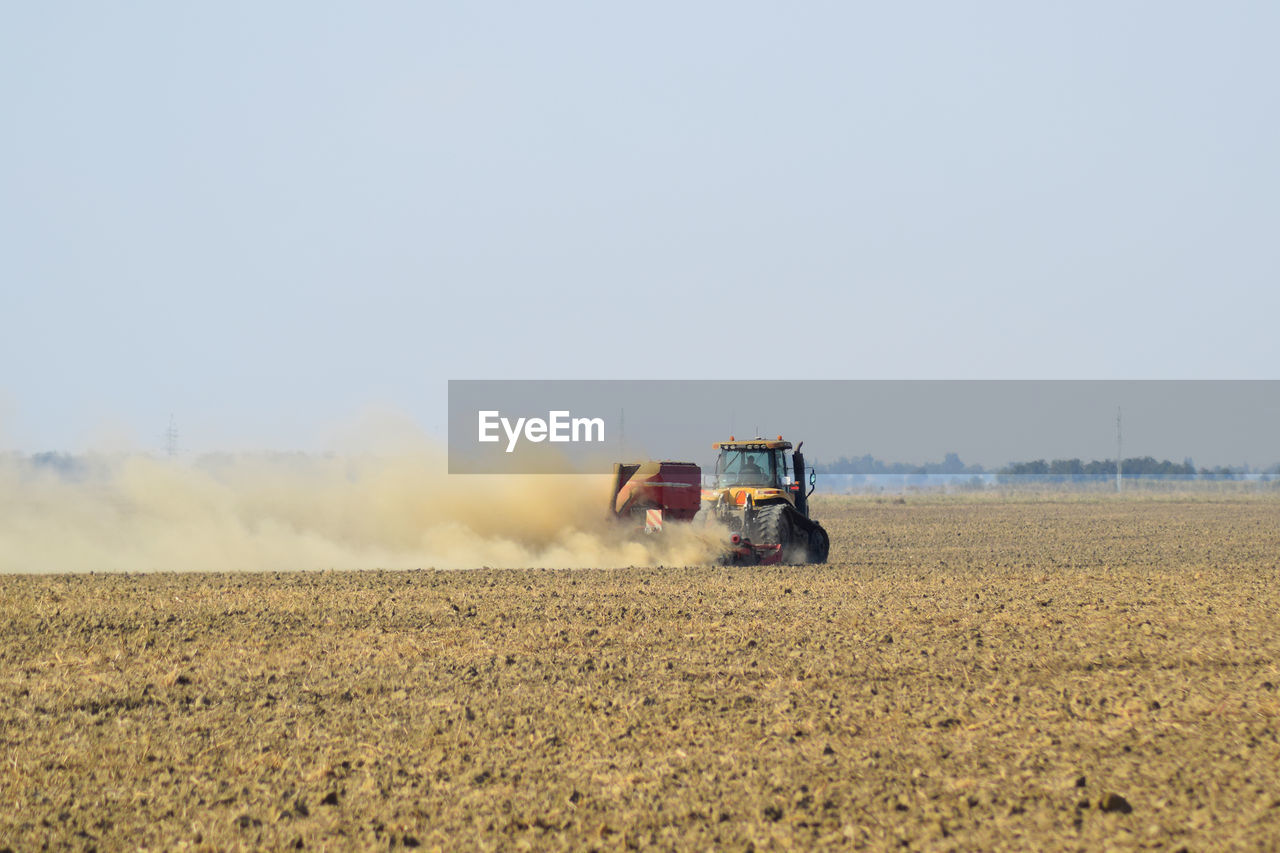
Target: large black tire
[770, 528]
[819, 545]
[802, 540]
[779, 524]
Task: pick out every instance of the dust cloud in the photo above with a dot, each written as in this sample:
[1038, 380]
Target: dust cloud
[287, 511]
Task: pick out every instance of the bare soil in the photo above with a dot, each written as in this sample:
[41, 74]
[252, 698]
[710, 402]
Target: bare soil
[1029, 673]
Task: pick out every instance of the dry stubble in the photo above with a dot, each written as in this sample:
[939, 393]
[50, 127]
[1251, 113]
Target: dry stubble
[965, 674]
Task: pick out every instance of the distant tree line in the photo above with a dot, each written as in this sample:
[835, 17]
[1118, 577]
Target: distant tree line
[1076, 471]
[868, 464]
[65, 465]
[1056, 471]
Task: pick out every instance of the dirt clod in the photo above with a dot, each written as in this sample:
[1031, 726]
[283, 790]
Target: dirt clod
[1114, 803]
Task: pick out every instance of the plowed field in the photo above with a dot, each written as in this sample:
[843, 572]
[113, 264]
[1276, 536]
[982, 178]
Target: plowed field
[965, 674]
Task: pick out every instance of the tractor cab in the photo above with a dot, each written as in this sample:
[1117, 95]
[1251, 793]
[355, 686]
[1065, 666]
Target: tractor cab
[760, 470]
[752, 464]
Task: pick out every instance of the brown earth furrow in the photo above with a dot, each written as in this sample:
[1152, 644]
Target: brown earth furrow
[967, 673]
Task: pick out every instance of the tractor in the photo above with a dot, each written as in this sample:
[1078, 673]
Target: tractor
[759, 492]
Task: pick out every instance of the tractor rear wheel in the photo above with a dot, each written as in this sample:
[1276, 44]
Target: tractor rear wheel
[819, 545]
[769, 527]
[775, 525]
[802, 540]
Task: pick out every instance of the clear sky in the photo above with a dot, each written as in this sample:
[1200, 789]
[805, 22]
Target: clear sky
[271, 219]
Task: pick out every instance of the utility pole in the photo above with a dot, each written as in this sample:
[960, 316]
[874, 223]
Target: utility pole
[1119, 455]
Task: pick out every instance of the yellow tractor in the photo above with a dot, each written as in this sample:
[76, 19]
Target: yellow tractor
[761, 490]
